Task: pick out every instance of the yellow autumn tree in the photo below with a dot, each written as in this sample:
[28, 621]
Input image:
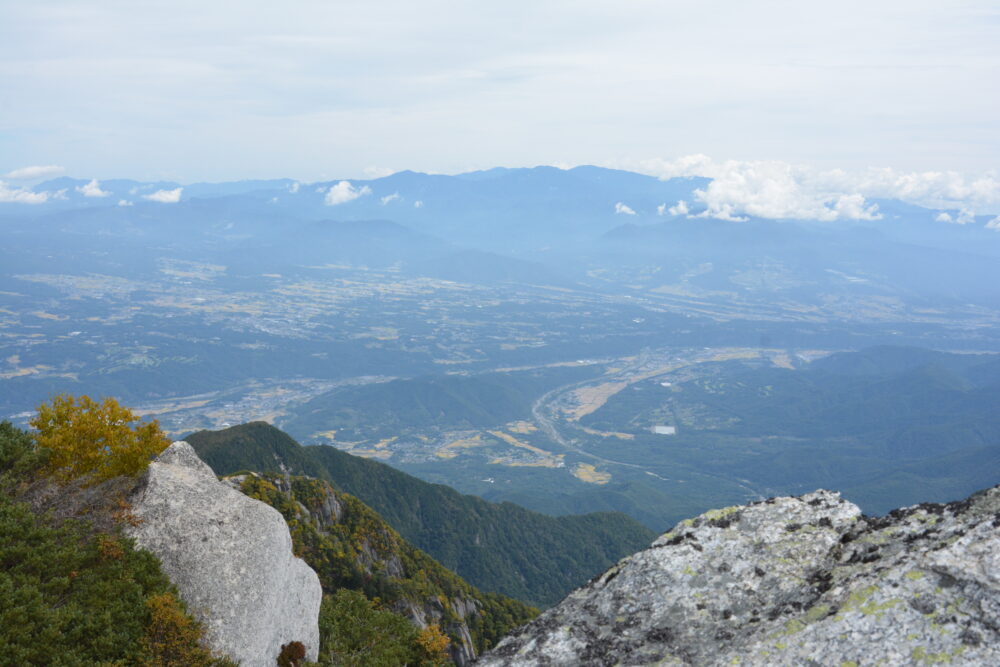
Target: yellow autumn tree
[95, 440]
[434, 645]
[172, 638]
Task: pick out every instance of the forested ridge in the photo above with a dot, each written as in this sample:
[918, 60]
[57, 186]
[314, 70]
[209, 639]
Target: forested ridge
[497, 547]
[351, 548]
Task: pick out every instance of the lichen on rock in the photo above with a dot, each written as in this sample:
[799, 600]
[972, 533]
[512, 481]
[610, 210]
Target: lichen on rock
[230, 557]
[789, 581]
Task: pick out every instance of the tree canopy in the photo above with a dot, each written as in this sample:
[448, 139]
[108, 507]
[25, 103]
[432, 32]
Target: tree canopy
[97, 440]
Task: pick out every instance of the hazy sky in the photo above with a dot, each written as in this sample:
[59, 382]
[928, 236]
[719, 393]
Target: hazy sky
[196, 90]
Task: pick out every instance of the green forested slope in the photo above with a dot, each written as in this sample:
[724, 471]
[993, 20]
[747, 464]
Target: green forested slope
[887, 426]
[496, 547]
[351, 547]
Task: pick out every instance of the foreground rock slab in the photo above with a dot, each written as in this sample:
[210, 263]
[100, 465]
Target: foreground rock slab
[230, 557]
[789, 581]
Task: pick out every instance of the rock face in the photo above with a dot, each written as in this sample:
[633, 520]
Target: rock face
[789, 581]
[230, 557]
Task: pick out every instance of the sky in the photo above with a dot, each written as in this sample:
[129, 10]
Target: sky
[315, 90]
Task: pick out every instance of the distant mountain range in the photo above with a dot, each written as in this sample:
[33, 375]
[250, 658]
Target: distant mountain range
[540, 226]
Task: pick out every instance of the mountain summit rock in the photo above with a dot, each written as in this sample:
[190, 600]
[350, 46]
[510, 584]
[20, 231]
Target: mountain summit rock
[789, 581]
[230, 557]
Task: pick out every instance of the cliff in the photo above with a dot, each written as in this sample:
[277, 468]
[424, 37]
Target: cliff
[789, 581]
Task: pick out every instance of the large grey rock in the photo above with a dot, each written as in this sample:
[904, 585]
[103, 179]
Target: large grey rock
[789, 581]
[230, 557]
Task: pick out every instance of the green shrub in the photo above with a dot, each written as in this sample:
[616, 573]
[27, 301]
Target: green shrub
[355, 633]
[70, 595]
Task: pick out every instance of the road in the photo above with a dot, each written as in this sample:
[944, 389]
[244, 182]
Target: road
[545, 415]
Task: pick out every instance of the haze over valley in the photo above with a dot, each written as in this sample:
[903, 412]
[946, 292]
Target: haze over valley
[572, 340]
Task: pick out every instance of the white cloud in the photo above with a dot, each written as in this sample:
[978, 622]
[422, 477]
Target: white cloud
[721, 212]
[125, 202]
[165, 196]
[343, 192]
[418, 204]
[294, 187]
[661, 209]
[854, 207]
[782, 190]
[765, 189]
[389, 198]
[378, 172]
[965, 216]
[931, 188]
[623, 209]
[680, 208]
[35, 172]
[994, 224]
[92, 189]
[11, 195]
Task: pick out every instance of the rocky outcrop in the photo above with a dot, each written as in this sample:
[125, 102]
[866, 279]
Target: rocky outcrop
[789, 581]
[230, 557]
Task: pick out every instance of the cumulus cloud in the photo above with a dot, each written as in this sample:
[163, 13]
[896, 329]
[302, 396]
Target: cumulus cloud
[34, 173]
[294, 187]
[766, 189]
[680, 208]
[994, 224]
[124, 202]
[965, 216]
[389, 198]
[418, 204]
[343, 192]
[165, 196]
[623, 209]
[780, 190]
[92, 189]
[11, 195]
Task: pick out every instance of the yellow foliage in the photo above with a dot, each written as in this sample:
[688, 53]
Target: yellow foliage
[172, 638]
[87, 438]
[434, 644]
[109, 547]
